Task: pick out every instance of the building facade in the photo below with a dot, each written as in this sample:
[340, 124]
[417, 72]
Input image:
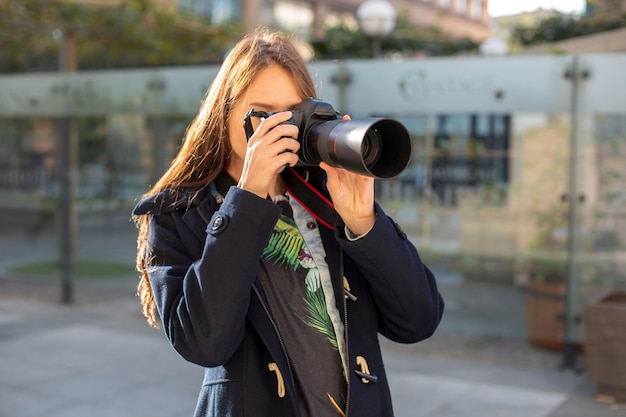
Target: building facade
[455, 18]
[605, 7]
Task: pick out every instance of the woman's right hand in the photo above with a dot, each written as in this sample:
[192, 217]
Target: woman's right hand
[271, 148]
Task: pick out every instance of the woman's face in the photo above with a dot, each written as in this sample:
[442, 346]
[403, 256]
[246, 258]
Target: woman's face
[272, 90]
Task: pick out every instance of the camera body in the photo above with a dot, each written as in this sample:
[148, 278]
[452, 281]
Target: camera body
[376, 147]
[306, 116]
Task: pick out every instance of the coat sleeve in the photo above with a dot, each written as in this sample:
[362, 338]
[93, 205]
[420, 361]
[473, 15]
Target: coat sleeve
[203, 302]
[403, 288]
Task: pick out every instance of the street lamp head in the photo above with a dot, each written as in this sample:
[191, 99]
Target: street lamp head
[377, 18]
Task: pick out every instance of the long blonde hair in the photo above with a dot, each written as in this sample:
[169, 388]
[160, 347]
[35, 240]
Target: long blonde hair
[206, 149]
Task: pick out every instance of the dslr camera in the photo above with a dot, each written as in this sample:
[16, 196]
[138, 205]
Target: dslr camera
[376, 147]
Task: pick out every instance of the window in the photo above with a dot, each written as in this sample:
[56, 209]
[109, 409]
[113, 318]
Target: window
[456, 155]
[218, 10]
[202, 7]
[461, 7]
[477, 9]
[470, 152]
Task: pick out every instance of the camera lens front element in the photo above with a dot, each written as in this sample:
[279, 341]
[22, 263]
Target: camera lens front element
[371, 147]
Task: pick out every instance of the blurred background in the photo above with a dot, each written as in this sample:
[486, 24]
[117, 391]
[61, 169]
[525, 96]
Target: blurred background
[515, 194]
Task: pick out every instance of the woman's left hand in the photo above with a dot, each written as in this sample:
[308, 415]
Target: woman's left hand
[353, 197]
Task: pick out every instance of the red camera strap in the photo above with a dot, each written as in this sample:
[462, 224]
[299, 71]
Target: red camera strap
[310, 198]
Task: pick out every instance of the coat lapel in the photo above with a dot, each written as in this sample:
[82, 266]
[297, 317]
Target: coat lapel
[333, 253]
[258, 315]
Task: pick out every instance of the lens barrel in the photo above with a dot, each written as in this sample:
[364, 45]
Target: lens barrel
[376, 147]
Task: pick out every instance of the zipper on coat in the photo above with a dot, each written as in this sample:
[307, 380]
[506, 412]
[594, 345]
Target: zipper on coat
[345, 332]
[280, 339]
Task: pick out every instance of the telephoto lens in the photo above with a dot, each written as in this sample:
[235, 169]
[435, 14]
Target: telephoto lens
[376, 147]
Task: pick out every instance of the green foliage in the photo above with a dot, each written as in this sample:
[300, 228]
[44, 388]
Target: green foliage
[560, 27]
[132, 34]
[343, 41]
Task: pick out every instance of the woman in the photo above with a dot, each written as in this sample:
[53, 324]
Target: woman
[282, 311]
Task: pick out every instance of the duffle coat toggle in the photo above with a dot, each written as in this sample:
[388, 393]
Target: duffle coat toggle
[279, 378]
[364, 373]
[346, 290]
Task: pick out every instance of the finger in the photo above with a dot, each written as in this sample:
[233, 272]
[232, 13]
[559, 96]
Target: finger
[331, 172]
[281, 131]
[291, 159]
[325, 166]
[290, 155]
[281, 146]
[283, 160]
[273, 121]
[286, 144]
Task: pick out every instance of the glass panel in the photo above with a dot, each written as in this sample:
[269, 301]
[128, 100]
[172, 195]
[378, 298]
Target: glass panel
[25, 159]
[117, 155]
[603, 222]
[485, 196]
[491, 209]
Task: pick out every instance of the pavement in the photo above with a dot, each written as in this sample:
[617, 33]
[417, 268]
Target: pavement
[98, 357]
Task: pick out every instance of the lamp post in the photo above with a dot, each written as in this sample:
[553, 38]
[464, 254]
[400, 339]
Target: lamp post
[67, 168]
[377, 19]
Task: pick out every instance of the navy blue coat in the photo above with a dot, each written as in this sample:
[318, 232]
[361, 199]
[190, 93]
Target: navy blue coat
[204, 261]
